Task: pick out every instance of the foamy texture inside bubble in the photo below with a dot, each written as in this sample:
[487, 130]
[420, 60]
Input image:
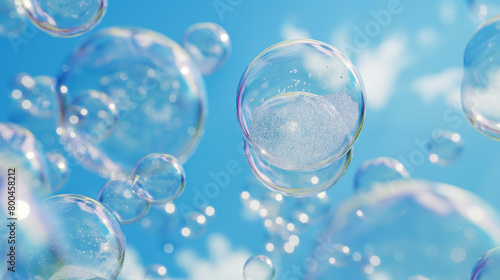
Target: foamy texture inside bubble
[74, 272]
[298, 131]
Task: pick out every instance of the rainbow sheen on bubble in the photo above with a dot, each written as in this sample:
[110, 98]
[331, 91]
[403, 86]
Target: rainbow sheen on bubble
[487, 267]
[379, 171]
[208, 44]
[119, 196]
[258, 267]
[158, 178]
[442, 233]
[157, 92]
[65, 18]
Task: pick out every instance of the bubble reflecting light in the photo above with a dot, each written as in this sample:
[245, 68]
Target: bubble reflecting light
[259, 267]
[379, 171]
[445, 147]
[487, 267]
[429, 239]
[208, 44]
[157, 93]
[65, 18]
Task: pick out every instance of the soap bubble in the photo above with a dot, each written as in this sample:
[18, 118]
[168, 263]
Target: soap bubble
[66, 18]
[12, 18]
[301, 105]
[208, 44]
[158, 93]
[91, 117]
[481, 81]
[18, 150]
[298, 184]
[156, 272]
[339, 255]
[443, 232]
[378, 171]
[118, 195]
[258, 267]
[445, 147]
[158, 178]
[58, 170]
[71, 236]
[37, 95]
[484, 9]
[487, 267]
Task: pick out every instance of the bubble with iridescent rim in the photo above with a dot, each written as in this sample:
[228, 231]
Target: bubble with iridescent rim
[487, 267]
[258, 267]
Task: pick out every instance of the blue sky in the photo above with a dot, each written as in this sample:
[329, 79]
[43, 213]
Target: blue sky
[409, 54]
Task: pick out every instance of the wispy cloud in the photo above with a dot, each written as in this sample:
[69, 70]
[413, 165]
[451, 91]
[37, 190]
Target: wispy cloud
[291, 32]
[445, 83]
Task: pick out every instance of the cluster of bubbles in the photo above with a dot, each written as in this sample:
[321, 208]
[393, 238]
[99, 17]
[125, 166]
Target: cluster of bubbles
[439, 235]
[156, 179]
[301, 107]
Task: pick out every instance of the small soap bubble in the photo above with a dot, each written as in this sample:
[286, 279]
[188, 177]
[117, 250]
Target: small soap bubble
[445, 147]
[156, 272]
[158, 178]
[65, 18]
[119, 196]
[378, 171]
[92, 116]
[488, 266]
[58, 169]
[209, 46]
[259, 267]
[37, 95]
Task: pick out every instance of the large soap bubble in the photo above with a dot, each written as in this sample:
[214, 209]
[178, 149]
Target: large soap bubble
[12, 18]
[481, 81]
[69, 237]
[301, 105]
[208, 44]
[441, 235]
[151, 83]
[487, 267]
[65, 18]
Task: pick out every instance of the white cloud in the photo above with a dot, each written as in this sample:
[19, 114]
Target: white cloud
[380, 68]
[445, 83]
[291, 32]
[223, 263]
[132, 268]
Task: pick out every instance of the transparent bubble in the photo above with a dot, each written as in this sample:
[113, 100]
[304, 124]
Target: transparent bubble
[37, 95]
[58, 170]
[158, 92]
[18, 150]
[119, 196]
[208, 44]
[339, 255]
[65, 18]
[432, 238]
[481, 81]
[71, 237]
[484, 9]
[292, 183]
[158, 178]
[12, 18]
[445, 147]
[487, 267]
[90, 117]
[258, 267]
[301, 105]
[378, 171]
[156, 272]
